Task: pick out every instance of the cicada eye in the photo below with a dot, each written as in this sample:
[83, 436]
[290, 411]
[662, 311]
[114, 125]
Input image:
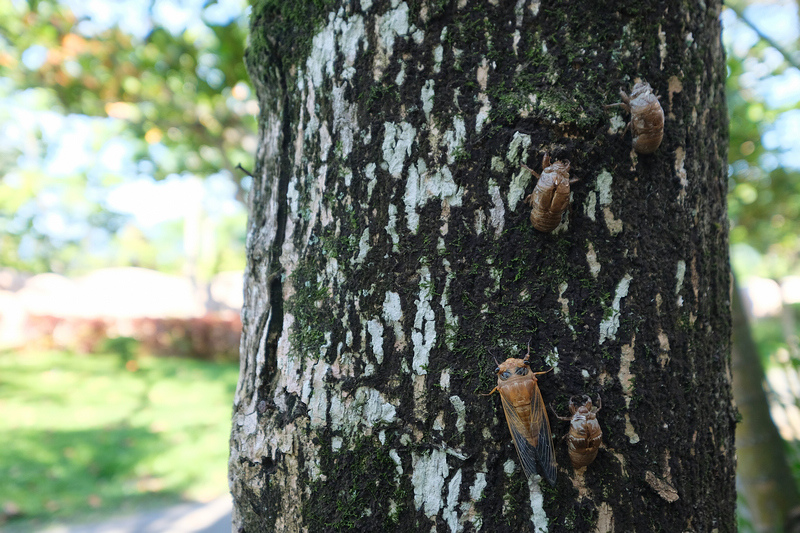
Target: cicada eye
[497, 370]
[505, 375]
[522, 371]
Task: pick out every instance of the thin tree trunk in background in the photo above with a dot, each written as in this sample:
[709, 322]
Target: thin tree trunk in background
[765, 478]
[390, 257]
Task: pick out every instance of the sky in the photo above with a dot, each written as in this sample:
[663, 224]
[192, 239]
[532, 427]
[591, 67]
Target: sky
[72, 140]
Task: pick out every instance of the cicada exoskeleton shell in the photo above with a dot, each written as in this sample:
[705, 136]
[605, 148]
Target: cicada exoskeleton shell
[585, 436]
[647, 117]
[550, 196]
[526, 416]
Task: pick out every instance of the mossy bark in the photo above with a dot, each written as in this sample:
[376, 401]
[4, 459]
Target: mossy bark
[390, 258]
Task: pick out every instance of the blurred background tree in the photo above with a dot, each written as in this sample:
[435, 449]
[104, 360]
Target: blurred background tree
[761, 39]
[101, 99]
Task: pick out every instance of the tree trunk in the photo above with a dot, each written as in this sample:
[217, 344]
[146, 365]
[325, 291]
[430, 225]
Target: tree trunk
[391, 258]
[765, 478]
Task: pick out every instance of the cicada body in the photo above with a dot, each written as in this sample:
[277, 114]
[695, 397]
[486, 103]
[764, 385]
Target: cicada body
[526, 416]
[647, 117]
[550, 196]
[585, 436]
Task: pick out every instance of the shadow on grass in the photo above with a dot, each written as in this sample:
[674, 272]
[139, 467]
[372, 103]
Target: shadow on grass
[57, 474]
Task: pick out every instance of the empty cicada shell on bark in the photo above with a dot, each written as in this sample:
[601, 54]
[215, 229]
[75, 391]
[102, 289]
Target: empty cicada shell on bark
[526, 416]
[585, 436]
[550, 196]
[647, 117]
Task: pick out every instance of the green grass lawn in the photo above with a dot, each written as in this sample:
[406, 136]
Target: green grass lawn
[87, 435]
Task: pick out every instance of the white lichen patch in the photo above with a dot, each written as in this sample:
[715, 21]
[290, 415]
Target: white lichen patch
[363, 247]
[390, 25]
[344, 120]
[483, 112]
[590, 206]
[497, 164]
[393, 315]
[518, 11]
[391, 227]
[617, 125]
[343, 35]
[679, 275]
[372, 179]
[518, 148]
[680, 170]
[450, 319]
[426, 94]
[423, 337]
[562, 288]
[662, 46]
[398, 463]
[604, 187]
[444, 379]
[401, 76]
[438, 422]
[483, 74]
[438, 55]
[454, 139]
[375, 329]
[318, 403]
[538, 516]
[552, 359]
[516, 190]
[461, 413]
[423, 186]
[495, 274]
[397, 141]
[325, 142]
[429, 473]
[610, 324]
[449, 514]
[364, 409]
[497, 213]
[591, 258]
[480, 221]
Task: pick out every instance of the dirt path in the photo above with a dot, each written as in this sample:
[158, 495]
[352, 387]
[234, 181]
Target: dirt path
[211, 517]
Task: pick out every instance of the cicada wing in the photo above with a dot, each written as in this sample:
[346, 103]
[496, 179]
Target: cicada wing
[524, 438]
[544, 447]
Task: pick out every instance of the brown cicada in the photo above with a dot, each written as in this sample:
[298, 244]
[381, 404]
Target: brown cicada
[526, 416]
[550, 196]
[647, 117]
[585, 435]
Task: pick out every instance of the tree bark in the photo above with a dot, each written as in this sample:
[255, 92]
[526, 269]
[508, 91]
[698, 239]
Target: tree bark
[391, 258]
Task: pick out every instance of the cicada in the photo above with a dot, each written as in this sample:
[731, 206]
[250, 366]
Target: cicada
[526, 416]
[550, 196]
[585, 436]
[647, 117]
